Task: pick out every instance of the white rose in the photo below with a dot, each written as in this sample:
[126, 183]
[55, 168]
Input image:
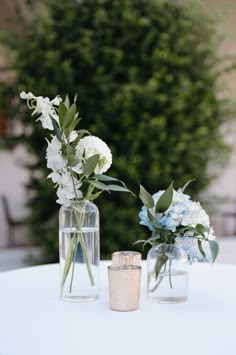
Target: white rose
[91, 145]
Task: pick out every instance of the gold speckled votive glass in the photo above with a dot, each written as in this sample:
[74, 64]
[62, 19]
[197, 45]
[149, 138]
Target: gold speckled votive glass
[124, 287]
[126, 258]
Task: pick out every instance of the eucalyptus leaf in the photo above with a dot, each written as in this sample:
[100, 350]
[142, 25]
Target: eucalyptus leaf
[73, 161]
[94, 196]
[99, 185]
[153, 220]
[90, 164]
[146, 198]
[62, 113]
[83, 132]
[103, 177]
[160, 262]
[75, 97]
[201, 248]
[74, 124]
[67, 101]
[56, 130]
[76, 141]
[70, 116]
[165, 200]
[140, 241]
[214, 247]
[153, 238]
[118, 188]
[201, 229]
[68, 262]
[186, 185]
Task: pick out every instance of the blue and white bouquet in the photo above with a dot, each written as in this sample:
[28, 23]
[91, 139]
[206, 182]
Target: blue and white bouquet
[173, 218]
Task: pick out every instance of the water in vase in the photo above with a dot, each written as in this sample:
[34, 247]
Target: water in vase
[169, 287]
[79, 255]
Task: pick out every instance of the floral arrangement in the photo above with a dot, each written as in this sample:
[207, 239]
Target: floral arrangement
[75, 157]
[77, 160]
[174, 219]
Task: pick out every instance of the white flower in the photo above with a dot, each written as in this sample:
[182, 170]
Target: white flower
[72, 137]
[54, 157]
[25, 96]
[78, 168]
[56, 163]
[68, 189]
[56, 101]
[194, 215]
[56, 177]
[43, 107]
[91, 145]
[54, 147]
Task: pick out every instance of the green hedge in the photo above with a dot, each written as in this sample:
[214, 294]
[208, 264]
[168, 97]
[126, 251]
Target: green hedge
[146, 81]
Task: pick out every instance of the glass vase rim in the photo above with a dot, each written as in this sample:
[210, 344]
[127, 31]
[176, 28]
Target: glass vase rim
[79, 202]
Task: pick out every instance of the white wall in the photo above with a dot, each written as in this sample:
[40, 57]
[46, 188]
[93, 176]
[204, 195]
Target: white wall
[13, 177]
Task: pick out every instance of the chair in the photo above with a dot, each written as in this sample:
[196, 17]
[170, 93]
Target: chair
[12, 222]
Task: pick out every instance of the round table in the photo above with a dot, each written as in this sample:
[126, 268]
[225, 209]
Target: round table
[33, 320]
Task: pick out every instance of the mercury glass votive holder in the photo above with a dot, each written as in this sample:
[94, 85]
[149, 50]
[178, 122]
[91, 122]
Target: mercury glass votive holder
[124, 287]
[126, 258]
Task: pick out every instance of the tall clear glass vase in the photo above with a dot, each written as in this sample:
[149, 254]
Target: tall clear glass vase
[79, 251]
[167, 278]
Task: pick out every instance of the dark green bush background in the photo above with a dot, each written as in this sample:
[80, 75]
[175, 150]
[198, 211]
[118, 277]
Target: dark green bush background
[146, 81]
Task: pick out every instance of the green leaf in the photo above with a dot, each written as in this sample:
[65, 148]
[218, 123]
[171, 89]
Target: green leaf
[99, 185]
[62, 113]
[103, 177]
[214, 247]
[160, 262]
[74, 124]
[76, 141]
[146, 198]
[83, 132]
[75, 97]
[72, 160]
[139, 241]
[201, 248]
[94, 196]
[70, 116]
[90, 164]
[153, 220]
[165, 200]
[201, 229]
[67, 101]
[186, 185]
[56, 130]
[119, 188]
[68, 262]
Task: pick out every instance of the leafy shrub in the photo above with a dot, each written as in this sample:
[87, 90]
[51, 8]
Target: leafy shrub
[145, 74]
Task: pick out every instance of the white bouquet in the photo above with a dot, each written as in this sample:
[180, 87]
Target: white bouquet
[77, 160]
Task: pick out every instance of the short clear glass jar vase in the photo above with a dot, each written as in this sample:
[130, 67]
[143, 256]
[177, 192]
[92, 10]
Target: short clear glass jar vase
[167, 275]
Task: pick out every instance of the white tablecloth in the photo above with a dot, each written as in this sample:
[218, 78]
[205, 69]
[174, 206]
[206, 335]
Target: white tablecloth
[33, 320]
